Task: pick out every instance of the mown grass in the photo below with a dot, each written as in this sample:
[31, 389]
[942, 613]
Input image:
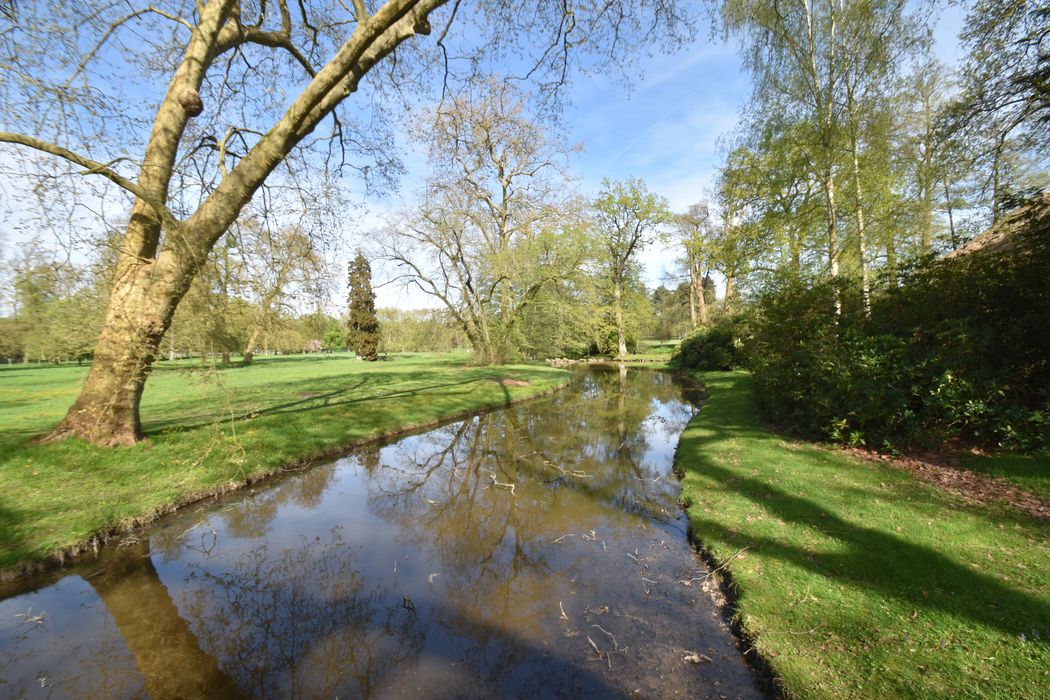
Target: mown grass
[210, 429]
[855, 579]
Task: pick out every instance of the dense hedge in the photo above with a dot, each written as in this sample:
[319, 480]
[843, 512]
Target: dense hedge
[960, 350]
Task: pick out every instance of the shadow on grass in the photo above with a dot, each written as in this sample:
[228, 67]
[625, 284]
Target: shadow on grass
[313, 401]
[1029, 472]
[870, 558]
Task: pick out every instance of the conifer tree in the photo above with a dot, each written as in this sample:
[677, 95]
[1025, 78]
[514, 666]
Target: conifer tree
[362, 324]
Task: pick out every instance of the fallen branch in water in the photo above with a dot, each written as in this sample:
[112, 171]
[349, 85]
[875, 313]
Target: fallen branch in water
[616, 647]
[695, 658]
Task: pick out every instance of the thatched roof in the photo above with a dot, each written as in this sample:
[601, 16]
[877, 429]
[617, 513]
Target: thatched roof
[1029, 220]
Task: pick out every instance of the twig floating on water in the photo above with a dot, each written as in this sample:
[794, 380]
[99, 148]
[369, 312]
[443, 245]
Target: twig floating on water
[616, 647]
[695, 658]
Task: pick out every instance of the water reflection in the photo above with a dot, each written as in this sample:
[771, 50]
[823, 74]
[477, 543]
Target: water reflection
[533, 551]
[159, 639]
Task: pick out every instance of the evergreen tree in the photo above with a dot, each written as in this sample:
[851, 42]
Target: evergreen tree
[363, 326]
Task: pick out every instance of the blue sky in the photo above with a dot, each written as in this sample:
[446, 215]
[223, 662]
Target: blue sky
[665, 130]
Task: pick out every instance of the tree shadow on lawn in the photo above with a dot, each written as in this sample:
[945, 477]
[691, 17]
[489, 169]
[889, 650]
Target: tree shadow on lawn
[312, 401]
[892, 566]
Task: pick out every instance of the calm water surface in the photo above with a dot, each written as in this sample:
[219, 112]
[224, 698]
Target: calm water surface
[536, 552]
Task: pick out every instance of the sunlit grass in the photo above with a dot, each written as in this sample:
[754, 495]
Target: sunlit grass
[211, 428]
[855, 579]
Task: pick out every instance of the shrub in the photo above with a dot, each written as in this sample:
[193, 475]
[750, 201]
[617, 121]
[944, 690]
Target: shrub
[720, 346]
[960, 350]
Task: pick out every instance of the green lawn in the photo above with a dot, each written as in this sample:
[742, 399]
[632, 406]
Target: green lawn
[209, 430]
[855, 579]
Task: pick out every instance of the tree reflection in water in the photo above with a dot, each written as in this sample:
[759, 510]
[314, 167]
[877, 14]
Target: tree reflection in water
[406, 570]
[302, 622]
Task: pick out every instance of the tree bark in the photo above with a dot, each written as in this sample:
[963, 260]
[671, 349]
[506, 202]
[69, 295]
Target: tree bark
[141, 307]
[249, 349]
[701, 300]
[621, 335]
[865, 288]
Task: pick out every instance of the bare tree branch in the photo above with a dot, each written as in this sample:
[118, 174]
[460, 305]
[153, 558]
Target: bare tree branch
[93, 167]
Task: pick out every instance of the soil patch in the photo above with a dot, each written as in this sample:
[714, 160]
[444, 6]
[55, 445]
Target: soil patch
[506, 381]
[943, 470]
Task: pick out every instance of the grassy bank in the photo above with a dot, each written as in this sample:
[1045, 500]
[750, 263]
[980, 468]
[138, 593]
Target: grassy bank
[853, 579]
[209, 430]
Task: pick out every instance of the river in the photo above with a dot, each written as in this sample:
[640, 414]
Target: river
[536, 551]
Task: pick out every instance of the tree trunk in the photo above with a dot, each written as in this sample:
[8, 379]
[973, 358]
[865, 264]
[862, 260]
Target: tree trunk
[951, 217]
[865, 285]
[926, 232]
[142, 304]
[727, 303]
[621, 335]
[692, 298]
[833, 236]
[249, 349]
[891, 261]
[701, 301]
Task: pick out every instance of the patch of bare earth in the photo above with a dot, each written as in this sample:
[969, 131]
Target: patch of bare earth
[944, 471]
[506, 381]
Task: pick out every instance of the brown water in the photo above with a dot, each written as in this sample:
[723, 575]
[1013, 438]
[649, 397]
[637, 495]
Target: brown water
[411, 569]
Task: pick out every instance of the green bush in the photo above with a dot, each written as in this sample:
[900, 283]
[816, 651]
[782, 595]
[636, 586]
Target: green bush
[960, 350]
[719, 346]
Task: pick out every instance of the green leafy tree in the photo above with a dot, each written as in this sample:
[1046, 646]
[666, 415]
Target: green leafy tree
[334, 338]
[495, 226]
[694, 234]
[628, 218]
[362, 323]
[1004, 109]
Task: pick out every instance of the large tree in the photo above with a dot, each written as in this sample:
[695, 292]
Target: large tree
[280, 265]
[628, 217]
[694, 234]
[494, 225]
[247, 84]
[1004, 109]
